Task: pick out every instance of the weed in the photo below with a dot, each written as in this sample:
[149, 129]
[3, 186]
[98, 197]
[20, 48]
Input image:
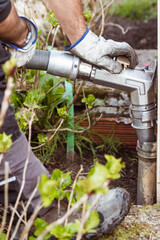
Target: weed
[110, 145]
[82, 142]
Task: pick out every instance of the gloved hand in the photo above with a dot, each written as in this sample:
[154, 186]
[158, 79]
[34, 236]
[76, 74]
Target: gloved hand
[101, 52]
[25, 52]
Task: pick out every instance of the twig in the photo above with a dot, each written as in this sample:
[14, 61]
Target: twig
[17, 213]
[59, 200]
[93, 205]
[6, 197]
[124, 31]
[61, 220]
[60, 124]
[23, 178]
[72, 192]
[55, 34]
[6, 100]
[75, 131]
[102, 23]
[30, 222]
[89, 120]
[54, 87]
[107, 7]
[75, 96]
[79, 235]
[1, 157]
[50, 31]
[23, 213]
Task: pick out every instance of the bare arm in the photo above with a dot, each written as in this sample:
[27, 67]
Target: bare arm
[13, 29]
[69, 14]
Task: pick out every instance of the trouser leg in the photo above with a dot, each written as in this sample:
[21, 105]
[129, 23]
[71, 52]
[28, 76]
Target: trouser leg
[16, 158]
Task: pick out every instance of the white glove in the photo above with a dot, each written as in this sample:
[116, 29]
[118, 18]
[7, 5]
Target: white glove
[24, 54]
[101, 52]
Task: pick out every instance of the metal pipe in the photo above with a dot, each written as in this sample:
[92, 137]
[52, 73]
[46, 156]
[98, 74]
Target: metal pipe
[144, 121]
[39, 61]
[146, 186]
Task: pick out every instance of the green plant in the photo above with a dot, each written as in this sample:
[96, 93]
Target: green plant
[52, 19]
[110, 144]
[5, 142]
[136, 9]
[90, 100]
[87, 15]
[82, 142]
[2, 236]
[56, 187]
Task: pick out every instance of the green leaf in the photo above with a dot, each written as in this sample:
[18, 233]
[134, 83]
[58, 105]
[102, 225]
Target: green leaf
[87, 15]
[5, 142]
[90, 101]
[80, 189]
[34, 97]
[92, 221]
[73, 227]
[32, 238]
[62, 112]
[47, 189]
[62, 179]
[42, 138]
[40, 226]
[66, 232]
[3, 236]
[113, 166]
[96, 177]
[52, 19]
[9, 66]
[17, 99]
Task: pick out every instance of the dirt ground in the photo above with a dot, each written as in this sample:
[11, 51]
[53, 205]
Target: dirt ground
[128, 178]
[139, 34]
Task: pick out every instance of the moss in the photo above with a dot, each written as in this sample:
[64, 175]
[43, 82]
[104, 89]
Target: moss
[156, 206]
[130, 231]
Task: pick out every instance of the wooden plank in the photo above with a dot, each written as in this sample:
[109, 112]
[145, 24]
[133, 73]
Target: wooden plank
[125, 132]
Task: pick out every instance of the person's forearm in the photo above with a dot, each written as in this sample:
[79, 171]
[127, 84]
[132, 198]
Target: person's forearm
[69, 14]
[13, 29]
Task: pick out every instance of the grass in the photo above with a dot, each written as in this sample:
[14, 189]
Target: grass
[135, 10]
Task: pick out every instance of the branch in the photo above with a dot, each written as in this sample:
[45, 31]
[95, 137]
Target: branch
[23, 178]
[6, 197]
[6, 100]
[72, 192]
[120, 27]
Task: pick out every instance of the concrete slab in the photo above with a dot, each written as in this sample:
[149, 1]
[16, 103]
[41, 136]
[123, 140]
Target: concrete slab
[147, 56]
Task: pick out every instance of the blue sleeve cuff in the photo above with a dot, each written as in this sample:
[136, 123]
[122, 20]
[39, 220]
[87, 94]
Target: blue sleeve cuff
[69, 47]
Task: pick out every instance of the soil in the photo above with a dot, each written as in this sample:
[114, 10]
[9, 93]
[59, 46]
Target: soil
[128, 178]
[139, 34]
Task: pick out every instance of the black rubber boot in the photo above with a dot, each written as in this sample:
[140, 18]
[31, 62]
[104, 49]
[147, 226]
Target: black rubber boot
[112, 209]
